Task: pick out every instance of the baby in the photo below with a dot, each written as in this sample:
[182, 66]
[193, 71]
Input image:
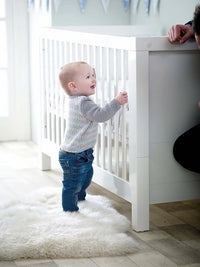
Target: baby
[76, 153]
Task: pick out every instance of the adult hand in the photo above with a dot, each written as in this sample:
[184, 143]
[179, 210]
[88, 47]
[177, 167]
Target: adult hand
[180, 33]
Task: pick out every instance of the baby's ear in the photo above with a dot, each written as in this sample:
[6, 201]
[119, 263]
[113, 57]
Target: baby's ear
[72, 86]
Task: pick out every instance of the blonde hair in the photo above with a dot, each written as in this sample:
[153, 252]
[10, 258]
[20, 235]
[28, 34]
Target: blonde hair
[67, 74]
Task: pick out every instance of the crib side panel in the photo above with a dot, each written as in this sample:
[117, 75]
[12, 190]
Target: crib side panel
[111, 69]
[116, 163]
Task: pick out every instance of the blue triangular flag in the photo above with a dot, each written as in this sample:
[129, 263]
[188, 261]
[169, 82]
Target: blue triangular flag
[82, 4]
[147, 6]
[126, 4]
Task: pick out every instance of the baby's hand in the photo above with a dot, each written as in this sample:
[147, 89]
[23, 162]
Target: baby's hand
[122, 98]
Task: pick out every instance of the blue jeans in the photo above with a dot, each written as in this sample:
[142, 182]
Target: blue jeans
[77, 176]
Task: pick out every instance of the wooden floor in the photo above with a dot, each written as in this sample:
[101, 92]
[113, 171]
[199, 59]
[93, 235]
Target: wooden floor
[174, 238]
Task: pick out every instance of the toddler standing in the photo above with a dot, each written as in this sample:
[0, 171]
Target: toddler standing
[76, 152]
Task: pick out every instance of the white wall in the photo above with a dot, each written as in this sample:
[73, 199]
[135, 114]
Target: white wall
[38, 18]
[69, 13]
[20, 91]
[170, 12]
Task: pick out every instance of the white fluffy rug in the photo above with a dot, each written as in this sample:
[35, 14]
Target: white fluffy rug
[36, 227]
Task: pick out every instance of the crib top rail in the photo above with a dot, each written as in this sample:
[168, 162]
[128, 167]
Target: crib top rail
[134, 43]
[118, 42]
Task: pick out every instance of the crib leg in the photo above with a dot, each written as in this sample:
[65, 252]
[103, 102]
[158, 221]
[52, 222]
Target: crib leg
[45, 162]
[140, 219]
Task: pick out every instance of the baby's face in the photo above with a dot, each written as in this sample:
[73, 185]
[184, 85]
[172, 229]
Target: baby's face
[85, 80]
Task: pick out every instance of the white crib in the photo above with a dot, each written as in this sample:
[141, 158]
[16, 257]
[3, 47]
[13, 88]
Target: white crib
[133, 154]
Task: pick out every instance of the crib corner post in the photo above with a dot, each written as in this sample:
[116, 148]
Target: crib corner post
[45, 161]
[139, 139]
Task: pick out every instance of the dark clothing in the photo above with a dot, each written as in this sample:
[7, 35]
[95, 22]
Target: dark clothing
[187, 149]
[189, 23]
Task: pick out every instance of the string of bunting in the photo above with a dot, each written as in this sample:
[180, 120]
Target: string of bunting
[105, 4]
[82, 4]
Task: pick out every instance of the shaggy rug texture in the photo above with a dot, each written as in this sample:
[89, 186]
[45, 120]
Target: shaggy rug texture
[36, 227]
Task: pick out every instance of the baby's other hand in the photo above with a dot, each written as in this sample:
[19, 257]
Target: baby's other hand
[122, 98]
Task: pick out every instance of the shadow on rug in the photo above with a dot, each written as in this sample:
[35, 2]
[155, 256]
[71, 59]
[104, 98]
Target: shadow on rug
[36, 227]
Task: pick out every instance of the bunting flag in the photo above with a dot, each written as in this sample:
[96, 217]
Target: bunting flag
[82, 4]
[47, 5]
[135, 4]
[105, 4]
[30, 4]
[156, 4]
[126, 4]
[57, 4]
[147, 6]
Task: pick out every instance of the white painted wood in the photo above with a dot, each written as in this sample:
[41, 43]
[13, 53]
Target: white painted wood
[45, 161]
[102, 95]
[87, 38]
[48, 64]
[96, 62]
[62, 59]
[123, 116]
[116, 118]
[145, 68]
[56, 88]
[109, 129]
[112, 183]
[173, 110]
[138, 139]
[42, 85]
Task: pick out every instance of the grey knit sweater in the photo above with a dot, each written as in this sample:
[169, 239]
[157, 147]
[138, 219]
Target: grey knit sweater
[82, 122]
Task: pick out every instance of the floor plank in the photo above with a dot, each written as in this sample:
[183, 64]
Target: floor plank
[174, 237]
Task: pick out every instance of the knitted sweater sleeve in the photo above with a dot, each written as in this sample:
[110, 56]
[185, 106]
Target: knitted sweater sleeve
[95, 113]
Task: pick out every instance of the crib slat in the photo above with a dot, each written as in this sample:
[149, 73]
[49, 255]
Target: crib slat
[43, 86]
[109, 130]
[76, 51]
[68, 51]
[71, 54]
[62, 58]
[56, 87]
[48, 116]
[52, 91]
[102, 76]
[125, 127]
[123, 117]
[85, 53]
[92, 59]
[116, 118]
[96, 64]
[89, 55]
